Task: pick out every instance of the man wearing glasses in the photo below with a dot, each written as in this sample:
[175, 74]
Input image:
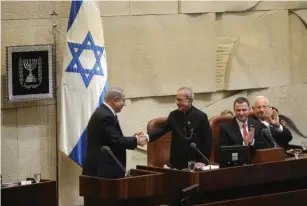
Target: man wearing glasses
[278, 136]
[188, 124]
[242, 130]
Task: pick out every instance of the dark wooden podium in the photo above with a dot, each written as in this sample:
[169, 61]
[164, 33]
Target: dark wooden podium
[293, 198]
[36, 194]
[268, 178]
[174, 182]
[237, 182]
[142, 188]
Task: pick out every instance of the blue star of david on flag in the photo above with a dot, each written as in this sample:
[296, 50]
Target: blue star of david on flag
[75, 65]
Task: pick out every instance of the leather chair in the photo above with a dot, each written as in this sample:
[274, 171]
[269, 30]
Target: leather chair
[215, 126]
[215, 123]
[158, 152]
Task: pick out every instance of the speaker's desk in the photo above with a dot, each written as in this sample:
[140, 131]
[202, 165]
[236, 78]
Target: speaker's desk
[236, 182]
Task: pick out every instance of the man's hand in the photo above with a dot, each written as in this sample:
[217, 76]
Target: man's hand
[249, 137]
[139, 133]
[141, 140]
[268, 114]
[274, 120]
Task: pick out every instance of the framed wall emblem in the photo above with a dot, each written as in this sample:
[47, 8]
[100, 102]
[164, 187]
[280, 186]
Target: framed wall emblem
[30, 72]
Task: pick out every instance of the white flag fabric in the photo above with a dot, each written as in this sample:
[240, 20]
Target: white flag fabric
[84, 77]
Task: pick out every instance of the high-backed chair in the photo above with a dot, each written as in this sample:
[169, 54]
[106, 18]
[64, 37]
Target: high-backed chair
[158, 152]
[215, 126]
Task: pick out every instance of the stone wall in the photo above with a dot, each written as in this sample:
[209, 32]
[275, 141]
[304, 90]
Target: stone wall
[152, 49]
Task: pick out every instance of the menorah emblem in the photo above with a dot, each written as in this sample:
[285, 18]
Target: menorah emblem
[30, 65]
[31, 80]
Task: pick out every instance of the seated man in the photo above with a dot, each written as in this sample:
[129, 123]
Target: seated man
[263, 113]
[242, 130]
[188, 124]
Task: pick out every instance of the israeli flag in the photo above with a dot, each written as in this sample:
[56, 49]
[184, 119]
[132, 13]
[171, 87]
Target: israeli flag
[84, 77]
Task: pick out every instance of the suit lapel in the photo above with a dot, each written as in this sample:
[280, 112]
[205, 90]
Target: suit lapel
[237, 131]
[115, 117]
[118, 126]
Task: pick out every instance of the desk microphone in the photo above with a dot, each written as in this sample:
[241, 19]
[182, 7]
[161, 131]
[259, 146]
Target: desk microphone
[193, 146]
[109, 151]
[266, 132]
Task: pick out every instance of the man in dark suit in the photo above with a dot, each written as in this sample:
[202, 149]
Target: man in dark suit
[188, 124]
[278, 136]
[242, 130]
[104, 130]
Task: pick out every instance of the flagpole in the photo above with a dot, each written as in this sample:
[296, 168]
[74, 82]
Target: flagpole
[54, 33]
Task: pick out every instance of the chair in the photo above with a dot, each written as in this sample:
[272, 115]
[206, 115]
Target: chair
[215, 123]
[158, 152]
[215, 126]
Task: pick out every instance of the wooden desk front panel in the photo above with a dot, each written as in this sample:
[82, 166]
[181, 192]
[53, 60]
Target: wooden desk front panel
[293, 198]
[253, 174]
[43, 193]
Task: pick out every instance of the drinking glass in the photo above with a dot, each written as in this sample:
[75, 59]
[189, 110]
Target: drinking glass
[191, 165]
[297, 153]
[37, 177]
[304, 145]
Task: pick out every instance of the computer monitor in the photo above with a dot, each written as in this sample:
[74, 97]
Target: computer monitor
[235, 155]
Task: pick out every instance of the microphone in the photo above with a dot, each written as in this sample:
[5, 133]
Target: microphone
[266, 132]
[193, 146]
[109, 151]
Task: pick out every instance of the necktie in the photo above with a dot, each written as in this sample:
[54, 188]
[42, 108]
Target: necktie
[244, 131]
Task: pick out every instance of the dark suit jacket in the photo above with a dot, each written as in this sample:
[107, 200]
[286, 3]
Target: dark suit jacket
[282, 138]
[103, 130]
[193, 124]
[230, 134]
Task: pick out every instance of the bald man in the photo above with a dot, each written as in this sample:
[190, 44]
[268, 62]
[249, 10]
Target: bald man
[281, 136]
[104, 130]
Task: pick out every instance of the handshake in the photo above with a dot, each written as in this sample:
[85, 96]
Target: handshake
[142, 139]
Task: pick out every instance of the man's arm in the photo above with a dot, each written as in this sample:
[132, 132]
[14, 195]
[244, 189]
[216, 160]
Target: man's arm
[261, 141]
[108, 125]
[157, 133]
[283, 138]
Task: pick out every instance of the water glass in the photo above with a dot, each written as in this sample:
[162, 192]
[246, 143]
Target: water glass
[37, 177]
[191, 165]
[304, 145]
[297, 153]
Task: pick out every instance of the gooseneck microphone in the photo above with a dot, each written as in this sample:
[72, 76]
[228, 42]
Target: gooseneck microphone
[109, 151]
[266, 132]
[193, 146]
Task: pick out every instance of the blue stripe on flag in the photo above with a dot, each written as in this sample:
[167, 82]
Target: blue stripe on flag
[75, 7]
[79, 151]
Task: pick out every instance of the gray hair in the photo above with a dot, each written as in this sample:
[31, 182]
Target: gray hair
[188, 91]
[113, 93]
[261, 97]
